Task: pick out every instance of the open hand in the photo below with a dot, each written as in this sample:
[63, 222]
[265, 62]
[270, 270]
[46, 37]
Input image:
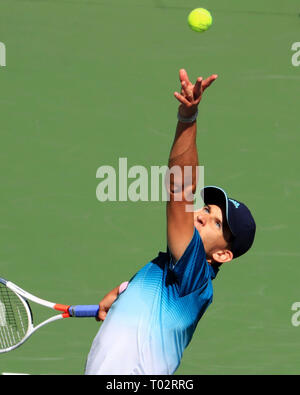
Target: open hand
[190, 95]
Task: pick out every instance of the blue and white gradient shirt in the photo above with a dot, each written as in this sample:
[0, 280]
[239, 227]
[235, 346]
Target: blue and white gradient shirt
[151, 323]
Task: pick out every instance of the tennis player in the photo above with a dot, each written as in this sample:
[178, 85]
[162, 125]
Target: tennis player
[150, 320]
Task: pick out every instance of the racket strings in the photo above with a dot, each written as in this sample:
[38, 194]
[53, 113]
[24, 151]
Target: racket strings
[13, 318]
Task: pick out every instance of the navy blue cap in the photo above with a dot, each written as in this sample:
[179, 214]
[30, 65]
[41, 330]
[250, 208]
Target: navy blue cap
[238, 216]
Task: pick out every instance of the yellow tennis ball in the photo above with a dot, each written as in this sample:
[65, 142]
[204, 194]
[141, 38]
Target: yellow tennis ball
[199, 19]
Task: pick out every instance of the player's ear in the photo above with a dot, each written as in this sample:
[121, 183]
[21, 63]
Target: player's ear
[222, 256]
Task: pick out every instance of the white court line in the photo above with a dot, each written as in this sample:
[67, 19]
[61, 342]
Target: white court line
[14, 374]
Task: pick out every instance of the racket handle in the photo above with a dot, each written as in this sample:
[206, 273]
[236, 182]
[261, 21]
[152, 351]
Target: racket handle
[84, 310]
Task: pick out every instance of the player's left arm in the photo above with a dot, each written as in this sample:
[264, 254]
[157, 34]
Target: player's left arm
[180, 221]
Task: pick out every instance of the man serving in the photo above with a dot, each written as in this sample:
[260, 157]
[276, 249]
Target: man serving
[149, 321]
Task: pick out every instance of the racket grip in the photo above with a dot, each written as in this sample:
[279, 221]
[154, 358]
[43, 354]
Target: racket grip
[84, 310]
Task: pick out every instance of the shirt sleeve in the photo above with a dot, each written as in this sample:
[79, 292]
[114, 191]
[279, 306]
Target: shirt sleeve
[192, 270]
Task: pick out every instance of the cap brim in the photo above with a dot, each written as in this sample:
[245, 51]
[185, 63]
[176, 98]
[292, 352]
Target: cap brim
[216, 195]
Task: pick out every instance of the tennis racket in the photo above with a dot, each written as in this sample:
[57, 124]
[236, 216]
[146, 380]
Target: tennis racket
[16, 320]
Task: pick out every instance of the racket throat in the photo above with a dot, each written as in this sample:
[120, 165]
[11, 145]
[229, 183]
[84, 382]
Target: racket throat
[64, 308]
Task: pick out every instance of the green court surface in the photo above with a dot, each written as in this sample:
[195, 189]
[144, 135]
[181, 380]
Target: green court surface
[87, 82]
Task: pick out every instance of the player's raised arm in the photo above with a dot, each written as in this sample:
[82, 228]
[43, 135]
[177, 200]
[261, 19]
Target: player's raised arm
[180, 222]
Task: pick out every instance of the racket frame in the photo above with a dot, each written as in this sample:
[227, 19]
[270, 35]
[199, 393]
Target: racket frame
[24, 296]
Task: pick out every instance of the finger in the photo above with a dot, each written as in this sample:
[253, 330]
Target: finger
[101, 312]
[102, 315]
[198, 87]
[206, 83]
[183, 76]
[182, 99]
[187, 91]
